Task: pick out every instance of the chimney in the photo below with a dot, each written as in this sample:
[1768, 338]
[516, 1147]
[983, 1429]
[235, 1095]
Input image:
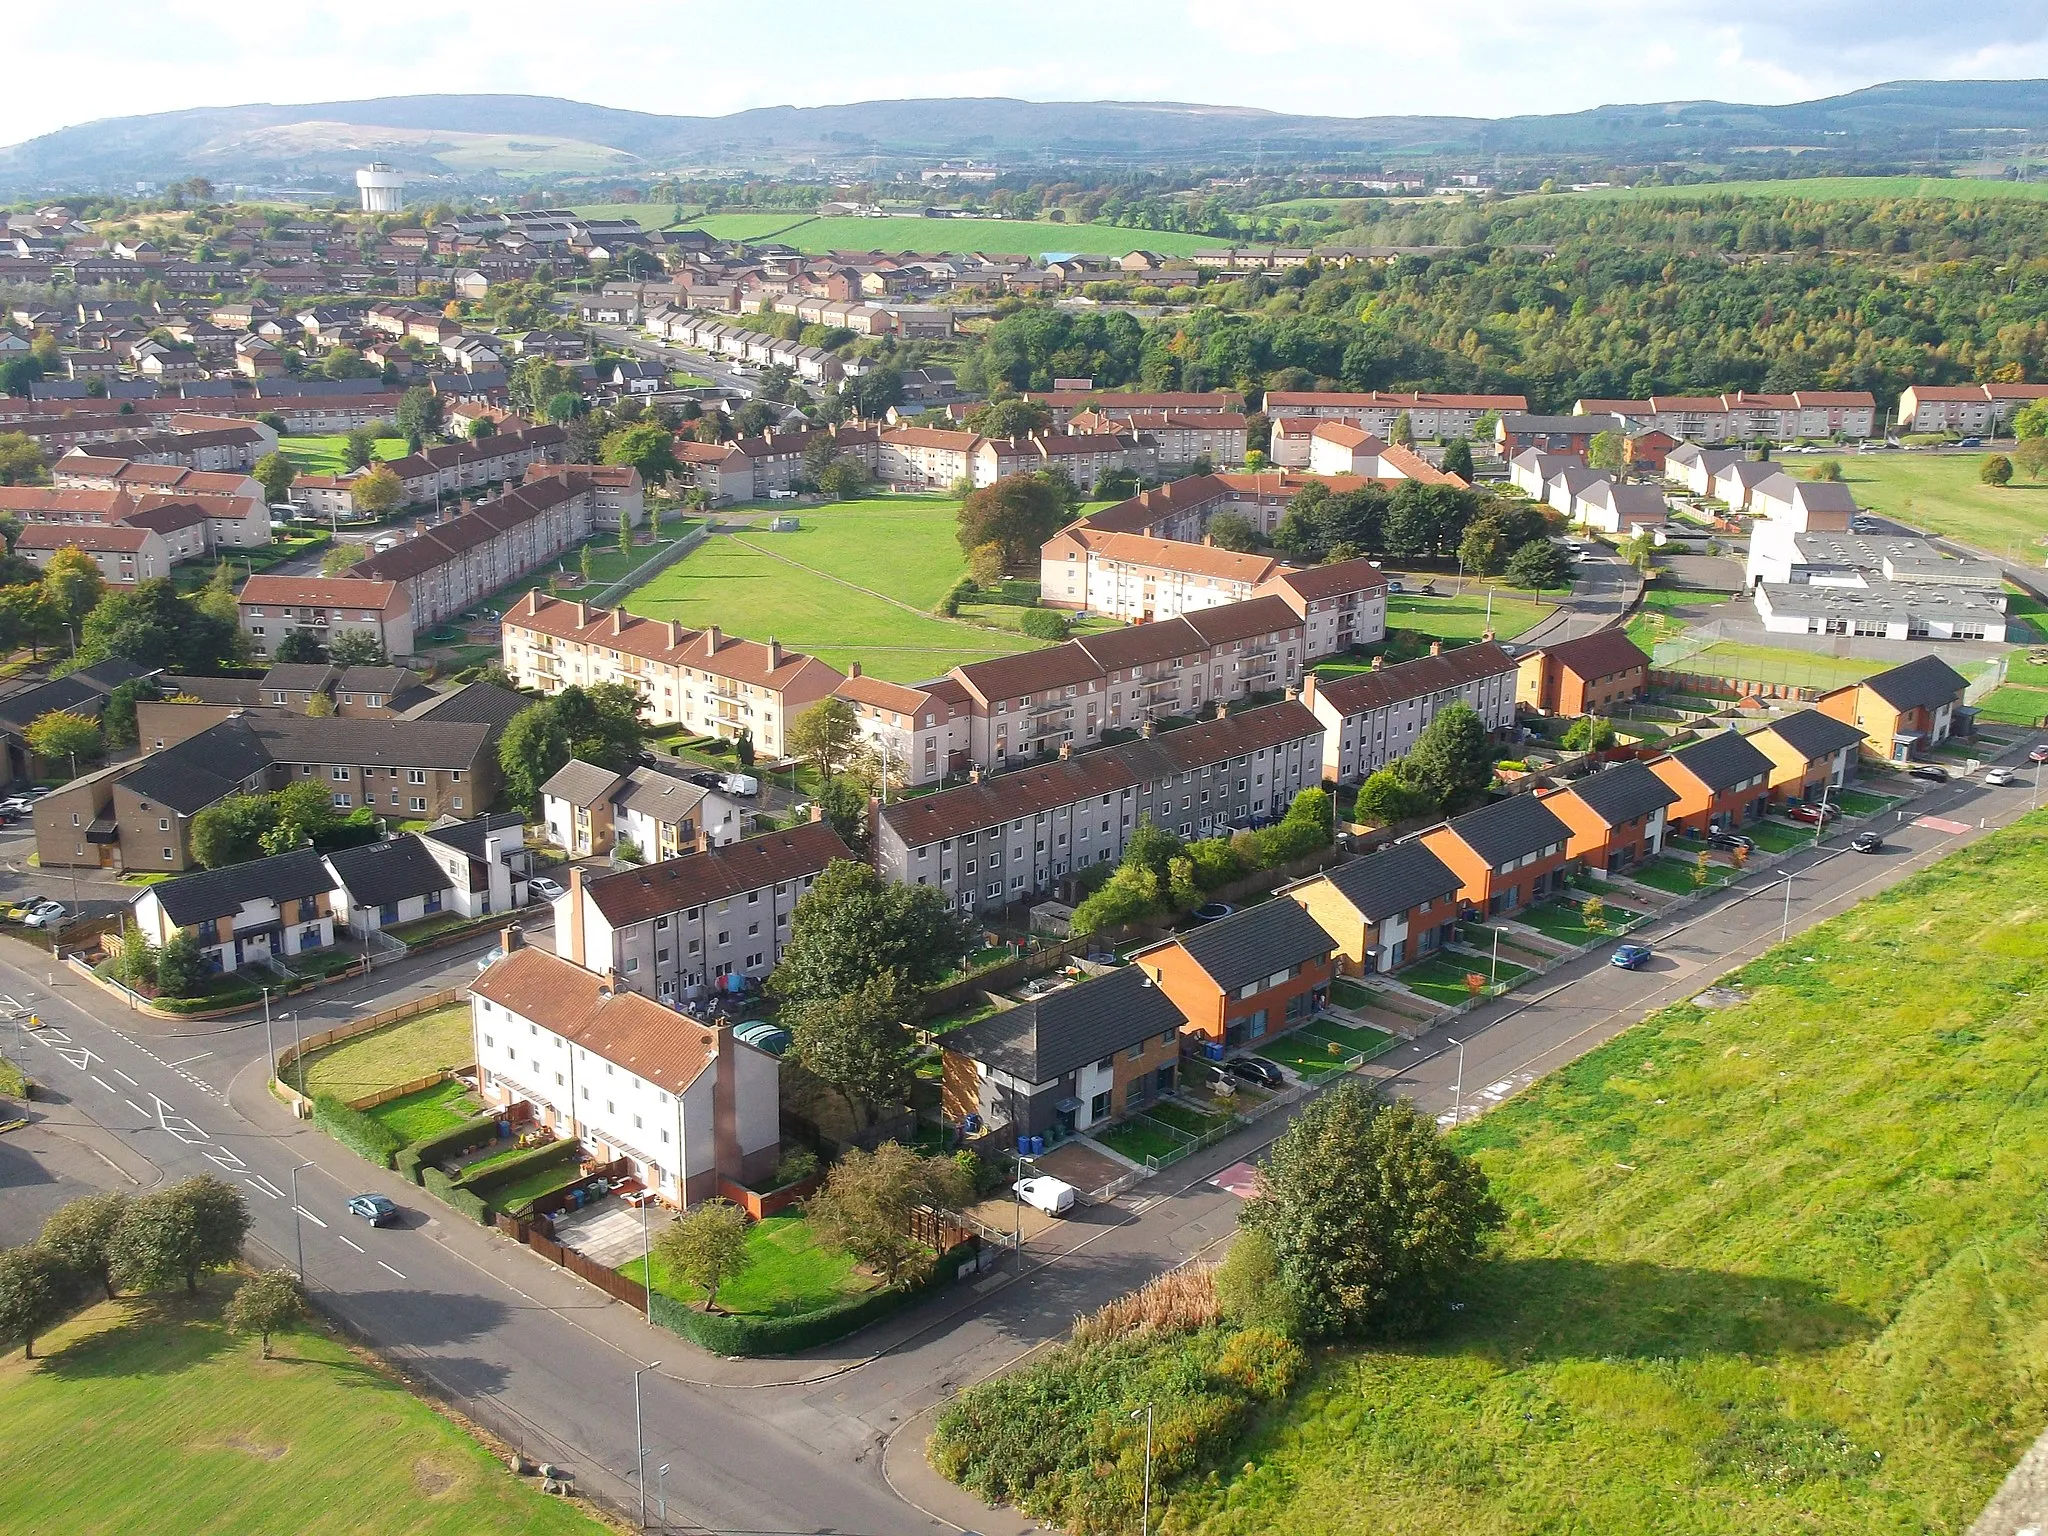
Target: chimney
[675, 634]
[817, 811]
[618, 621]
[1486, 634]
[582, 613]
[574, 937]
[1379, 663]
[974, 775]
[726, 1159]
[1292, 694]
[703, 840]
[511, 937]
[712, 640]
[1208, 541]
[1147, 731]
[1223, 707]
[1436, 647]
[1308, 689]
[774, 653]
[1066, 750]
[853, 669]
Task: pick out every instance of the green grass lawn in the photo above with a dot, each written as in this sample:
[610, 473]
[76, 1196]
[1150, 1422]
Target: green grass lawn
[2014, 705]
[1441, 978]
[1305, 1055]
[1774, 838]
[646, 215]
[1857, 802]
[1182, 1118]
[1353, 1037]
[1027, 237]
[1346, 993]
[1565, 923]
[857, 582]
[1778, 664]
[1675, 875]
[791, 1273]
[1657, 621]
[1941, 492]
[429, 1111]
[397, 1053]
[145, 1415]
[1768, 1269]
[1463, 618]
[530, 1186]
[1139, 1139]
[322, 455]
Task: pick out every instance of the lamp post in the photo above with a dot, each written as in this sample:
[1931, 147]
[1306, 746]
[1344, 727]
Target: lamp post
[1458, 1093]
[298, 1229]
[640, 1441]
[298, 1052]
[1145, 1510]
[661, 1494]
[1785, 922]
[269, 1047]
[646, 1260]
[1494, 975]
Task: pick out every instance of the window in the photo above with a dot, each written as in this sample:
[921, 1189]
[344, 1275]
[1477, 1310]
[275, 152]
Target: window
[341, 801]
[419, 802]
[415, 775]
[339, 775]
[163, 823]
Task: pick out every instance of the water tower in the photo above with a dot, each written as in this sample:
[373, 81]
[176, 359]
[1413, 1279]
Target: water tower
[383, 189]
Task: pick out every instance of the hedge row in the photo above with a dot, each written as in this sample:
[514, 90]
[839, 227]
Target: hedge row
[355, 1130]
[445, 1189]
[727, 1334]
[521, 1164]
[473, 1132]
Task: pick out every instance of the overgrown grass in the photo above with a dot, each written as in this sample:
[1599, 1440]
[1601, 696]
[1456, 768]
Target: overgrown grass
[792, 1273]
[1139, 1139]
[145, 1415]
[2014, 705]
[397, 1053]
[1941, 492]
[1768, 1269]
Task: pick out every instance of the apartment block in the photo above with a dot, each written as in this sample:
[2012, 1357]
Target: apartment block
[1370, 718]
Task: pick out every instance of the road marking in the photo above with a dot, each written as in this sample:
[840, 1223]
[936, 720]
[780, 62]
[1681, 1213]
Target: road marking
[309, 1216]
[350, 1241]
[184, 1130]
[258, 1188]
[382, 1265]
[184, 1060]
[131, 1082]
[274, 1189]
[101, 1081]
[136, 1107]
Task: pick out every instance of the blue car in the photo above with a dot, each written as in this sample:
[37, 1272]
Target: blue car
[1630, 957]
[375, 1209]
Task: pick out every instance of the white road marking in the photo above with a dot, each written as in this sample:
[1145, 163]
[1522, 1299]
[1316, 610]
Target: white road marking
[309, 1216]
[184, 1130]
[221, 1157]
[274, 1189]
[382, 1265]
[258, 1188]
[184, 1060]
[101, 1081]
[136, 1107]
[350, 1241]
[131, 1082]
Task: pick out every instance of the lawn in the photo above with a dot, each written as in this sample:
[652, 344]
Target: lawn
[1464, 618]
[1140, 1139]
[1778, 664]
[1565, 923]
[397, 1053]
[429, 1111]
[1768, 1269]
[1657, 621]
[856, 582]
[2014, 705]
[1858, 802]
[531, 1185]
[145, 1415]
[1025, 237]
[1182, 1118]
[1774, 837]
[1676, 876]
[1305, 1055]
[322, 455]
[791, 1273]
[1940, 492]
[1441, 978]
[1346, 993]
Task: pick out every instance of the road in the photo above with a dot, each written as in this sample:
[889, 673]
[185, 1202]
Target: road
[1601, 597]
[798, 1445]
[631, 339]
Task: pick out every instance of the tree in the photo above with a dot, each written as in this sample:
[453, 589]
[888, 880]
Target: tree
[58, 735]
[1131, 893]
[1589, 733]
[754, 418]
[1607, 451]
[1250, 1289]
[419, 413]
[1372, 1216]
[80, 1235]
[1995, 470]
[33, 1287]
[21, 461]
[378, 492]
[1395, 794]
[851, 927]
[217, 601]
[73, 582]
[869, 1198]
[338, 559]
[1458, 459]
[843, 802]
[178, 1233]
[1403, 430]
[275, 473]
[28, 614]
[1013, 416]
[563, 405]
[358, 448]
[600, 725]
[1018, 513]
[2031, 420]
[117, 719]
[1828, 470]
[358, 648]
[648, 446]
[985, 565]
[180, 971]
[858, 1043]
[826, 733]
[320, 706]
[263, 1304]
[1043, 623]
[1451, 757]
[1539, 565]
[481, 428]
[1233, 530]
[151, 625]
[298, 646]
[707, 1247]
[2031, 457]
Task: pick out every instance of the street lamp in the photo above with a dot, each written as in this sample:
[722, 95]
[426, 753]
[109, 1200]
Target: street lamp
[269, 1047]
[661, 1493]
[646, 1260]
[1785, 922]
[298, 1230]
[1145, 1510]
[1458, 1094]
[640, 1441]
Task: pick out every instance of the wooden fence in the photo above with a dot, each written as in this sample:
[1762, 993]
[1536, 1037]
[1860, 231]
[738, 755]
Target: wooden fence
[386, 1095]
[307, 1044]
[612, 1283]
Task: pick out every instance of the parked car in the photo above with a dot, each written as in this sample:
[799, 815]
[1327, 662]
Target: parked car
[1998, 778]
[17, 805]
[2039, 754]
[1630, 957]
[544, 888]
[1256, 1069]
[1867, 842]
[1813, 815]
[49, 914]
[739, 784]
[1933, 772]
[1730, 840]
[1971, 442]
[377, 1210]
[1045, 1193]
[496, 953]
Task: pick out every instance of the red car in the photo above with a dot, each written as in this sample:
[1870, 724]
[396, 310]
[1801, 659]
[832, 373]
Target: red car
[2039, 754]
[1814, 814]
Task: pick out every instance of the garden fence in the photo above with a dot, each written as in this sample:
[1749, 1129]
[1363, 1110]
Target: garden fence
[611, 1282]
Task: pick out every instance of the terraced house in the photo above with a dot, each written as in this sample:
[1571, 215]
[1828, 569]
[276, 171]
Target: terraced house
[244, 914]
[1616, 816]
[1372, 717]
[1384, 911]
[1722, 781]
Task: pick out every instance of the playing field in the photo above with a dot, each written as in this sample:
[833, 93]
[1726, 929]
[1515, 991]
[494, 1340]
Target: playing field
[148, 1416]
[1941, 492]
[857, 582]
[323, 455]
[1029, 237]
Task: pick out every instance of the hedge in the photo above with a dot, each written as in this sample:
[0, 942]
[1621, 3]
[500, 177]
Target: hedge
[473, 1132]
[446, 1189]
[724, 1333]
[355, 1130]
[520, 1164]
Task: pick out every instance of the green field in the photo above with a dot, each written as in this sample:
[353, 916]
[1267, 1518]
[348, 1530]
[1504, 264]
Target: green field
[857, 582]
[2014, 705]
[1824, 189]
[147, 1416]
[384, 1058]
[646, 215]
[1014, 236]
[1465, 617]
[1940, 492]
[791, 1273]
[1768, 1269]
[1777, 664]
[322, 455]
[428, 1111]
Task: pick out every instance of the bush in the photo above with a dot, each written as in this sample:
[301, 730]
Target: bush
[797, 1165]
[1179, 1301]
[1216, 862]
[1043, 624]
[473, 1132]
[445, 1189]
[355, 1130]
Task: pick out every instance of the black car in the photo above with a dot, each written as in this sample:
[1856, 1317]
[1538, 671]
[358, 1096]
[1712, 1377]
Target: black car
[1932, 772]
[1256, 1069]
[1730, 840]
[1867, 842]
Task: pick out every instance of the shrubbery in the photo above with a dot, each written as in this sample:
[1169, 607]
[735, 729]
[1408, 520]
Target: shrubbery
[473, 1132]
[1160, 873]
[1043, 624]
[445, 1189]
[725, 1333]
[355, 1130]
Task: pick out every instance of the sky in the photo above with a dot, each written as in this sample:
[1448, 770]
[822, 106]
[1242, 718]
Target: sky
[68, 63]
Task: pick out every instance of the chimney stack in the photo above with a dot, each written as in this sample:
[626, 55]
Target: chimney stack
[675, 634]
[1436, 647]
[712, 639]
[1379, 663]
[974, 775]
[582, 613]
[1292, 694]
[853, 669]
[574, 936]
[774, 653]
[1147, 731]
[618, 621]
[1066, 750]
[817, 811]
[511, 937]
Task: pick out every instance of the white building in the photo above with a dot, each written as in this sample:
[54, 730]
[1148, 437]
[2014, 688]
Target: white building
[382, 188]
[1879, 609]
[244, 914]
[382, 885]
[691, 1108]
[589, 810]
[1371, 718]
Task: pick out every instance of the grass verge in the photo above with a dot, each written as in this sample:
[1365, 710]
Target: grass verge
[397, 1053]
[792, 1273]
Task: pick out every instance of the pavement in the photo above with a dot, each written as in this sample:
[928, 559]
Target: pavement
[831, 1441]
[1601, 597]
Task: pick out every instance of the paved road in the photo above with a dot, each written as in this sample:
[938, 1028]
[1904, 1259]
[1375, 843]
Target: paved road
[1601, 597]
[788, 1445]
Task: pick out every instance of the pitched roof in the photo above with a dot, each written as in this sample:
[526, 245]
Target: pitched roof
[1508, 829]
[1604, 653]
[1009, 677]
[634, 895]
[222, 892]
[1240, 621]
[90, 537]
[202, 769]
[1054, 1034]
[654, 1043]
[1392, 880]
[658, 795]
[1176, 555]
[324, 592]
[371, 743]
[472, 836]
[375, 874]
[1814, 735]
[581, 784]
[1251, 945]
[1333, 580]
[1723, 759]
[1618, 795]
[472, 704]
[1376, 689]
[1920, 683]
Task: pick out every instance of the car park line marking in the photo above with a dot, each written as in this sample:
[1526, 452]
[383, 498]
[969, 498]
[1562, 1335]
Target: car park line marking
[382, 1265]
[350, 1241]
[309, 1216]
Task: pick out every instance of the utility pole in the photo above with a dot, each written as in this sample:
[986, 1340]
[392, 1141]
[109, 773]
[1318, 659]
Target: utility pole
[298, 1231]
[640, 1441]
[269, 1047]
[1785, 922]
[1458, 1095]
[1145, 1510]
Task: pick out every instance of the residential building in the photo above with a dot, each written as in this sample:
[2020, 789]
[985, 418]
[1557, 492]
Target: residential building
[711, 682]
[704, 920]
[1903, 713]
[1736, 481]
[1139, 580]
[1805, 506]
[1085, 457]
[1337, 448]
[1216, 438]
[1811, 753]
[1596, 674]
[381, 885]
[691, 1108]
[231, 501]
[1532, 470]
[1375, 411]
[617, 491]
[1370, 718]
[1618, 507]
[588, 810]
[124, 554]
[1384, 911]
[1517, 431]
[1070, 1060]
[1972, 408]
[1342, 605]
[83, 692]
[926, 458]
[1696, 468]
[328, 607]
[488, 864]
[1244, 977]
[1741, 416]
[921, 732]
[1616, 816]
[1015, 836]
[244, 914]
[1507, 855]
[1722, 781]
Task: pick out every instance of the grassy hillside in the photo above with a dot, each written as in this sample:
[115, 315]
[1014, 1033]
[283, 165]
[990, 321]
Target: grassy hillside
[1837, 189]
[1771, 1268]
[1027, 236]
